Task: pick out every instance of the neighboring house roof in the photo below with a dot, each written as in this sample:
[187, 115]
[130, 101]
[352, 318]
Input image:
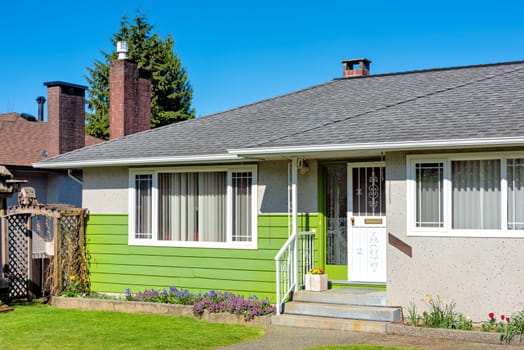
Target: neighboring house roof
[461, 105]
[24, 142]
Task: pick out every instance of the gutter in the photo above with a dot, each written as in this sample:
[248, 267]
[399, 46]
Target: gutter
[197, 159]
[242, 154]
[385, 146]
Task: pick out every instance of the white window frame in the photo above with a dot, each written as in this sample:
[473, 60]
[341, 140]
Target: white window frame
[229, 244]
[447, 230]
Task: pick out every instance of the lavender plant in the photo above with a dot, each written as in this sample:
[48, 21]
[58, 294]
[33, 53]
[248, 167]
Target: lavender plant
[212, 301]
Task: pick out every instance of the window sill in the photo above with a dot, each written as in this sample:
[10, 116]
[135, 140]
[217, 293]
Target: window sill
[468, 233]
[216, 245]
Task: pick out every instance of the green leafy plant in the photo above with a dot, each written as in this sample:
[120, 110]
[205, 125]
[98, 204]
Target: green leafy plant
[72, 288]
[493, 325]
[412, 314]
[438, 315]
[514, 327]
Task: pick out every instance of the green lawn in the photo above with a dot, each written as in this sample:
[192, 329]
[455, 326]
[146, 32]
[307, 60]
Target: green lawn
[44, 327]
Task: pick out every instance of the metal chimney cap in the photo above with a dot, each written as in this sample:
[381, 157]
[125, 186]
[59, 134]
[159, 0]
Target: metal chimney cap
[121, 49]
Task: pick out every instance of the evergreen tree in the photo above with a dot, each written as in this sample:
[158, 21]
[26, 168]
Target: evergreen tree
[171, 92]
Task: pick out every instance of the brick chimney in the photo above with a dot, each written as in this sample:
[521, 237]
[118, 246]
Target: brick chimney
[65, 117]
[355, 67]
[129, 96]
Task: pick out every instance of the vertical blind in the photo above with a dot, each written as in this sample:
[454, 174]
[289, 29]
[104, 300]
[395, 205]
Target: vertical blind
[515, 171]
[241, 183]
[143, 204]
[476, 194]
[192, 206]
[429, 202]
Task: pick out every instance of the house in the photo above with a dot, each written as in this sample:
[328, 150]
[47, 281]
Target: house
[25, 139]
[413, 181]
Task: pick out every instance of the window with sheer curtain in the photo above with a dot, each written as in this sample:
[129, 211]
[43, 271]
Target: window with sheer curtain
[515, 172]
[200, 206]
[482, 194]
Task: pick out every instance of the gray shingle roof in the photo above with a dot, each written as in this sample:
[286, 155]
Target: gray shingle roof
[453, 103]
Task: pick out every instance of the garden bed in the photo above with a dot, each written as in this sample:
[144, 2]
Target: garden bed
[153, 308]
[442, 333]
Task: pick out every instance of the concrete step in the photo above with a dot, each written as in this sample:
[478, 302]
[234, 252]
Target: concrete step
[288, 320]
[347, 296]
[358, 312]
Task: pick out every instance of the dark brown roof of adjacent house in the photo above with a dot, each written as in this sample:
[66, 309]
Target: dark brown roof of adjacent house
[23, 142]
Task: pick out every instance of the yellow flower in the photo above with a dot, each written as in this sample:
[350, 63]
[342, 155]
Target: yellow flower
[72, 278]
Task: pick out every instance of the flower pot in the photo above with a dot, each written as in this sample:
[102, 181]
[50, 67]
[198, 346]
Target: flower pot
[316, 283]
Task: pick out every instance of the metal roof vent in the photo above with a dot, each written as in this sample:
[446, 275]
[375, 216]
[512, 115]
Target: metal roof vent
[121, 49]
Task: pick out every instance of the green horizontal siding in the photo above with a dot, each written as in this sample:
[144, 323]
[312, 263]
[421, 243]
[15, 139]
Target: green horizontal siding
[115, 266]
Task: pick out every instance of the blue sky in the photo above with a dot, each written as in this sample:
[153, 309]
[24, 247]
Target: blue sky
[238, 52]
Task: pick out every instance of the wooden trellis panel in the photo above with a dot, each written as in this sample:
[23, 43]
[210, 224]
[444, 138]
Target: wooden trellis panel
[18, 255]
[67, 224]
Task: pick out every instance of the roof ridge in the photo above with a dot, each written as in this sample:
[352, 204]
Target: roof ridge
[334, 121]
[427, 70]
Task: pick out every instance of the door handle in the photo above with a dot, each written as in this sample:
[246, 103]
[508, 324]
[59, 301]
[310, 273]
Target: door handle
[352, 221]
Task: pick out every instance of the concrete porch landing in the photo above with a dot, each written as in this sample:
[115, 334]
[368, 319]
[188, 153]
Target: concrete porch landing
[350, 309]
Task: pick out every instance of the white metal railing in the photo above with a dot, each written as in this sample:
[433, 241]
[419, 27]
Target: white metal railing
[293, 261]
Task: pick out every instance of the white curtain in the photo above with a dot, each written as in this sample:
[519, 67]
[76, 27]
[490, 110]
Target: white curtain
[429, 197]
[476, 194]
[212, 206]
[143, 202]
[515, 171]
[192, 206]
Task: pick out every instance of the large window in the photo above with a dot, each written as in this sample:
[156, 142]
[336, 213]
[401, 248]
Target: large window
[210, 207]
[454, 195]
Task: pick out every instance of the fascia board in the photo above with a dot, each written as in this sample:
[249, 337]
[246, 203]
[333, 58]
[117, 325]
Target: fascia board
[385, 146]
[197, 159]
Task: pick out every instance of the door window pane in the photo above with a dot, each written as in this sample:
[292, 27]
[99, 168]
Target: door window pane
[429, 194]
[368, 192]
[476, 194]
[336, 215]
[515, 171]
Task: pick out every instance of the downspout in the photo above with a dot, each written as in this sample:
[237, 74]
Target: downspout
[74, 178]
[294, 218]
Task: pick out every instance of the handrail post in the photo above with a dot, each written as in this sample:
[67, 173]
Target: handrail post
[295, 264]
[277, 262]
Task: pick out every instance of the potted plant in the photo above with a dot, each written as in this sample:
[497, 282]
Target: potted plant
[316, 280]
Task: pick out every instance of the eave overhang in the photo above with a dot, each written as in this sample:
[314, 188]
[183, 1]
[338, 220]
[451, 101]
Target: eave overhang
[319, 150]
[145, 161]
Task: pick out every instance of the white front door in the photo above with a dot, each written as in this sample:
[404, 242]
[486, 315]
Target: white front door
[367, 222]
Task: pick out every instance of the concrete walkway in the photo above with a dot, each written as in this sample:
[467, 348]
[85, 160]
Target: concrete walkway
[289, 338]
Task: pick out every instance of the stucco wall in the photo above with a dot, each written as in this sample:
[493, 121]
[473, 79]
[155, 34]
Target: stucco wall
[480, 275]
[272, 187]
[106, 190]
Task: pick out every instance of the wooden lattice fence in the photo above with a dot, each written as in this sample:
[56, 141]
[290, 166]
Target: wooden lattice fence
[44, 250]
